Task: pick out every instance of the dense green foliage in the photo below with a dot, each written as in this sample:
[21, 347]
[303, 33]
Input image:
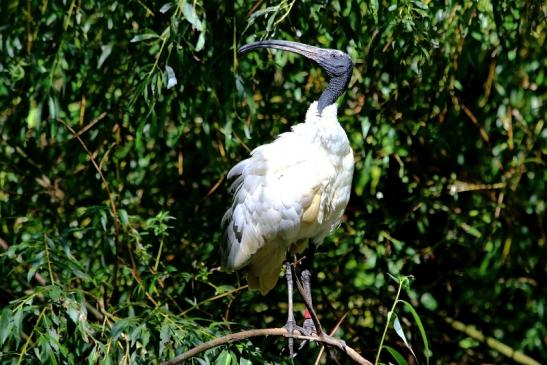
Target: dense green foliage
[119, 122]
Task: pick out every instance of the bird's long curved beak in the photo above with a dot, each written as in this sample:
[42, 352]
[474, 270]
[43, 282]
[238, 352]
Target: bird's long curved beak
[311, 52]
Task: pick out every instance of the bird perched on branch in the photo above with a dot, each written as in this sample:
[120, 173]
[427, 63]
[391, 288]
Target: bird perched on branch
[291, 193]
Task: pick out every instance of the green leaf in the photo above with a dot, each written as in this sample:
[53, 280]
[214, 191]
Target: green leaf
[34, 115]
[5, 324]
[93, 356]
[106, 50]
[165, 336]
[190, 14]
[17, 322]
[418, 322]
[244, 361]
[399, 330]
[124, 218]
[54, 293]
[224, 358]
[396, 355]
[201, 42]
[143, 37]
[119, 327]
[73, 310]
[171, 77]
[428, 301]
[165, 7]
[374, 9]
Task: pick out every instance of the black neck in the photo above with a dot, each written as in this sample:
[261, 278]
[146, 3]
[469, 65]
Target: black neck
[335, 88]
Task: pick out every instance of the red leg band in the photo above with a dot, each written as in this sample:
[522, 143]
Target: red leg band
[307, 314]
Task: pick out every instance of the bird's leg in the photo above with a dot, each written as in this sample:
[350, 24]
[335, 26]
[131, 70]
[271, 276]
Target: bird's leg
[291, 323]
[309, 326]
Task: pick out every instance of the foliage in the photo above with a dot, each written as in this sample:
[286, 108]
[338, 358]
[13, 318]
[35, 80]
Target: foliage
[119, 121]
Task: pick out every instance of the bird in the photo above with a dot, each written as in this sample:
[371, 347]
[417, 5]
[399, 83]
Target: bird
[290, 194]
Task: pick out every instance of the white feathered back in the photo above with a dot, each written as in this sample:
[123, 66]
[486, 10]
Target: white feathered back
[288, 192]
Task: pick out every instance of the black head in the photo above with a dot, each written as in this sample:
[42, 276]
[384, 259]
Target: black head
[336, 64]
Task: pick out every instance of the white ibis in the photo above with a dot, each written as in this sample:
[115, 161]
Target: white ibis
[293, 191]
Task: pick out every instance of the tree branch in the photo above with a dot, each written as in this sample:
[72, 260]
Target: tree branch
[325, 339]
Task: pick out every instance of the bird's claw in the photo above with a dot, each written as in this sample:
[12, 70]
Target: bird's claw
[291, 326]
[309, 327]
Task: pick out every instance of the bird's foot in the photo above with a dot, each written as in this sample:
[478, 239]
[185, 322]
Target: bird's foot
[291, 327]
[308, 328]
[308, 325]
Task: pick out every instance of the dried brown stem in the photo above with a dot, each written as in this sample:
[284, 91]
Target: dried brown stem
[325, 339]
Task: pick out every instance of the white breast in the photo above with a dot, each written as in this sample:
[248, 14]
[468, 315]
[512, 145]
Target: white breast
[289, 191]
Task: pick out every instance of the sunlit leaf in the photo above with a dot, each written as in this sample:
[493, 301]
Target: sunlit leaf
[399, 330]
[190, 14]
[143, 37]
[171, 78]
[106, 50]
[201, 42]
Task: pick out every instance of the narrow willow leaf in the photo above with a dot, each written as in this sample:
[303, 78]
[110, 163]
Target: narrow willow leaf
[201, 361]
[224, 358]
[124, 218]
[244, 361]
[106, 50]
[190, 14]
[32, 270]
[171, 77]
[396, 355]
[73, 310]
[165, 7]
[52, 107]
[374, 8]
[55, 293]
[5, 325]
[420, 327]
[93, 356]
[34, 115]
[399, 329]
[119, 327]
[201, 42]
[165, 336]
[17, 323]
[143, 37]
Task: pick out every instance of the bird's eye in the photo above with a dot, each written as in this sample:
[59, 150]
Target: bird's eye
[333, 55]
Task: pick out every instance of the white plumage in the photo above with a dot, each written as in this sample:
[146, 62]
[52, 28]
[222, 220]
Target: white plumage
[288, 192]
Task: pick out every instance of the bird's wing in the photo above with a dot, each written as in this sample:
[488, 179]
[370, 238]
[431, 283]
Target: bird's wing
[276, 190]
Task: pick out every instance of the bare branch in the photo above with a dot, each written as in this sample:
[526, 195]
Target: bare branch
[233, 337]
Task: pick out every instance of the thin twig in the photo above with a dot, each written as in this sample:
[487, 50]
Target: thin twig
[110, 198]
[89, 126]
[327, 340]
[331, 334]
[230, 292]
[106, 184]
